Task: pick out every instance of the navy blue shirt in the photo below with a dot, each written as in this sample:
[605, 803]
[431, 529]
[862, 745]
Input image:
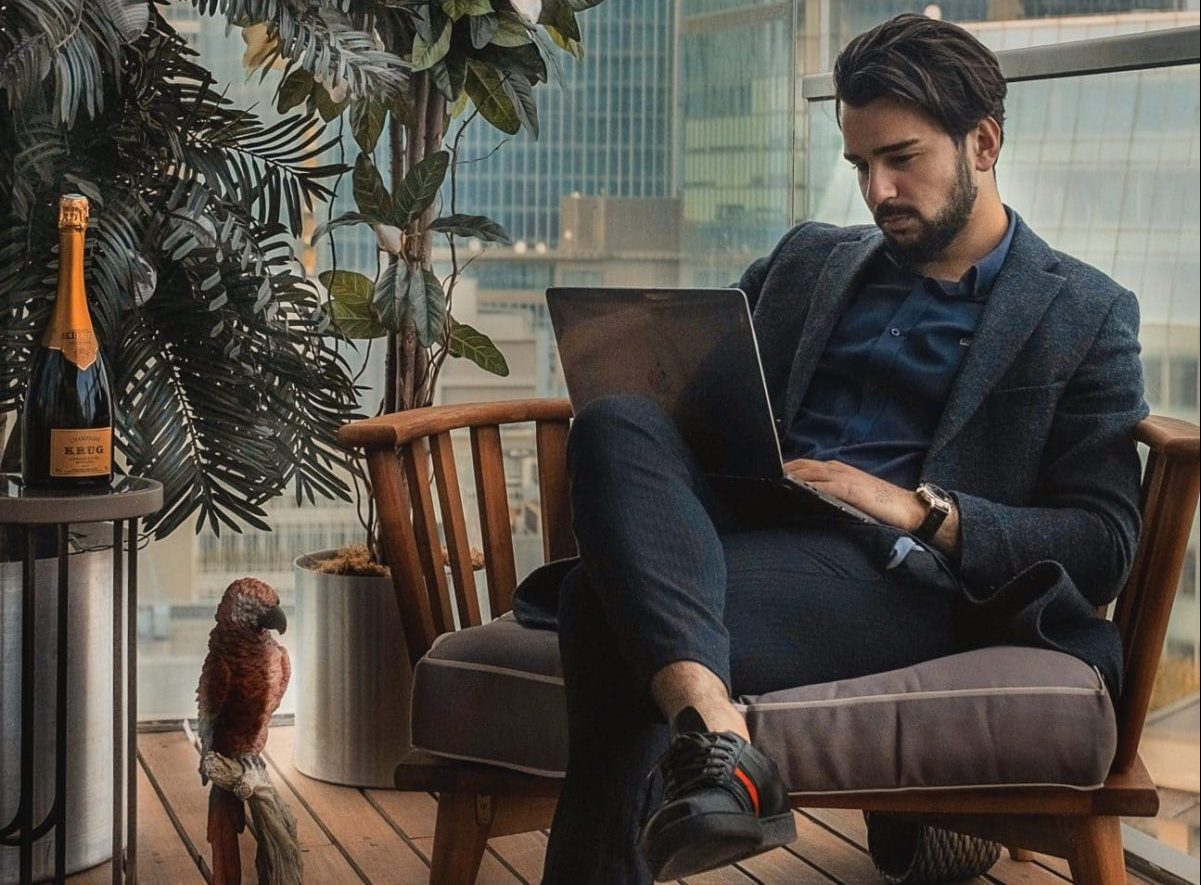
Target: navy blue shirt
[884, 377]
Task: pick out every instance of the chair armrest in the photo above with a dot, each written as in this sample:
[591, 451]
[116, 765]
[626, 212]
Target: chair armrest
[1169, 436]
[399, 428]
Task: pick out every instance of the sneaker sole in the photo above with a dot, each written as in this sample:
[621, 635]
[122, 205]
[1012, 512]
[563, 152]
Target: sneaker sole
[689, 846]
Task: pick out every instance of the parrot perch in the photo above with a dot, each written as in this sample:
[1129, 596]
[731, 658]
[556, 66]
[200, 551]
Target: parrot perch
[242, 682]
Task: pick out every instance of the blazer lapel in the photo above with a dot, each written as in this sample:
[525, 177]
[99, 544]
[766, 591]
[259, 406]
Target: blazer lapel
[831, 293]
[1023, 291]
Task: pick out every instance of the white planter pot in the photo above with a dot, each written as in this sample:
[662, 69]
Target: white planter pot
[352, 675]
[89, 709]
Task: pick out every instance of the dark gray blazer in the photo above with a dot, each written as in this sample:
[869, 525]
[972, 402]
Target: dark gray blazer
[1035, 442]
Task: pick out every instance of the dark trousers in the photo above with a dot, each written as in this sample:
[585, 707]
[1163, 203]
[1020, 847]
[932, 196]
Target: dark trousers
[674, 569]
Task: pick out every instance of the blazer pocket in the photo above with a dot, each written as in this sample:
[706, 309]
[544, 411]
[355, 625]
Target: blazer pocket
[1017, 424]
[1033, 391]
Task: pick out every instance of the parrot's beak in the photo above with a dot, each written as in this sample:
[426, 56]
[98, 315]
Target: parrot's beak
[274, 619]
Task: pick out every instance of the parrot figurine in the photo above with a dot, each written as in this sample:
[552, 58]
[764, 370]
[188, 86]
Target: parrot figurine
[244, 677]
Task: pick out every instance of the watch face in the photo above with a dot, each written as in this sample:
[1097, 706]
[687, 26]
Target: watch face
[934, 496]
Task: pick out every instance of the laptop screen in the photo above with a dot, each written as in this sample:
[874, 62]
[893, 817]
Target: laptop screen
[692, 351]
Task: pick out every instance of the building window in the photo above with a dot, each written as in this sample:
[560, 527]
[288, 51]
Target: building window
[514, 275]
[1182, 382]
[1188, 576]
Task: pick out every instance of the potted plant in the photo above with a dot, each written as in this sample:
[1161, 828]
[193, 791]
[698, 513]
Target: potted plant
[226, 388]
[454, 61]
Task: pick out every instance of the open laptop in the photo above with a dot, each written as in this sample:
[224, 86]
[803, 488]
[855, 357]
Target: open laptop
[694, 352]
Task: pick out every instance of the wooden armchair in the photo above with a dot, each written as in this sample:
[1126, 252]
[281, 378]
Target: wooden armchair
[477, 801]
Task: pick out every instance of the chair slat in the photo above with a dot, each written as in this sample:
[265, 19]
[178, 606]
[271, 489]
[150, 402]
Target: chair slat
[494, 517]
[558, 542]
[1168, 516]
[400, 548]
[1126, 606]
[454, 524]
[429, 544]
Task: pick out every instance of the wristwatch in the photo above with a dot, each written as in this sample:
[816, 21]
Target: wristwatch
[938, 508]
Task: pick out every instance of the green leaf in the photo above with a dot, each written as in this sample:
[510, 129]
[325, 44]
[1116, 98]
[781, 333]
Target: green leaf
[483, 29]
[326, 106]
[414, 294]
[574, 47]
[389, 295]
[477, 226]
[521, 94]
[350, 296]
[477, 347]
[370, 195]
[425, 55]
[348, 286]
[428, 309]
[341, 221]
[449, 76]
[456, 9]
[510, 31]
[294, 90]
[419, 187]
[560, 15]
[485, 86]
[367, 122]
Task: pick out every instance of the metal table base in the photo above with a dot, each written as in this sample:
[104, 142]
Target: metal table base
[34, 511]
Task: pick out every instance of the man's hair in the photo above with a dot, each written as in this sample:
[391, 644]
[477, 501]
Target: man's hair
[935, 65]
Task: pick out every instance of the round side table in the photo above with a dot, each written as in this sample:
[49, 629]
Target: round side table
[33, 510]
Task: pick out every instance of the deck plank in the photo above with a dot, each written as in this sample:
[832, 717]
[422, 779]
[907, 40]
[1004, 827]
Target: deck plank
[162, 855]
[413, 813]
[831, 853]
[492, 871]
[524, 852]
[724, 876]
[171, 764]
[781, 865]
[378, 852]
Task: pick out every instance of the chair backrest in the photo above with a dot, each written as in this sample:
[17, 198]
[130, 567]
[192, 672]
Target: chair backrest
[402, 449]
[409, 526]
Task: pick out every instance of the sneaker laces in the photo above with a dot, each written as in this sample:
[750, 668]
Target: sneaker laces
[698, 759]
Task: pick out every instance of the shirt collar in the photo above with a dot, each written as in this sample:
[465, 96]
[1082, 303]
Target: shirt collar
[978, 281]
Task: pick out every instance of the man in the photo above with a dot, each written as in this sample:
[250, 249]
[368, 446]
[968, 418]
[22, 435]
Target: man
[950, 348]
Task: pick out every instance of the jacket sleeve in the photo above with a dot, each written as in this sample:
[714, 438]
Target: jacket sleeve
[754, 276]
[1087, 516]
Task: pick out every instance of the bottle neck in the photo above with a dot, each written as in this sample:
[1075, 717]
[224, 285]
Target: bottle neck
[70, 328]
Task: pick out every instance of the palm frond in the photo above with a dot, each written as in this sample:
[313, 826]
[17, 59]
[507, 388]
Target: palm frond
[227, 390]
[323, 39]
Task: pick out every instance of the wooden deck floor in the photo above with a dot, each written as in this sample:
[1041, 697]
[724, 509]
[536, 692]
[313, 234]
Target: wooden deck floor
[351, 835]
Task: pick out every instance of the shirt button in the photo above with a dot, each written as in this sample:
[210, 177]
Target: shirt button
[894, 332]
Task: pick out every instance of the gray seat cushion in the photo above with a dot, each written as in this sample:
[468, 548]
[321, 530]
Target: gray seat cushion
[996, 716]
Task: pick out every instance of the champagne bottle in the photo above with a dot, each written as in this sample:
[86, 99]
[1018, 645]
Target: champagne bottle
[67, 421]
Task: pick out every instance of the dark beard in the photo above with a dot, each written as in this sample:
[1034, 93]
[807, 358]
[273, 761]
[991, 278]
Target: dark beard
[936, 235]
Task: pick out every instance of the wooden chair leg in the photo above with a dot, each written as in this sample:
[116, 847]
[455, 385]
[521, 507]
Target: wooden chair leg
[1097, 857]
[460, 835]
[1021, 854]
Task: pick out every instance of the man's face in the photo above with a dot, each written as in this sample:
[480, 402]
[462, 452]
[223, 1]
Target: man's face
[919, 185]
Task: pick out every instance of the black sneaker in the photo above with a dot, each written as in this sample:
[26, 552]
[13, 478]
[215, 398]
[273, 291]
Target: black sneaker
[724, 802]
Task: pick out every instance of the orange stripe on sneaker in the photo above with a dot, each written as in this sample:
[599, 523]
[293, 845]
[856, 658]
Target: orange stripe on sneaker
[750, 788]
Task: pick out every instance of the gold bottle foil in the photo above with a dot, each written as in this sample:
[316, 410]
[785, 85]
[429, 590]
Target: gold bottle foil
[73, 212]
[70, 328]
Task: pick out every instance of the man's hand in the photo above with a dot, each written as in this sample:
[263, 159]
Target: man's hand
[890, 504]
